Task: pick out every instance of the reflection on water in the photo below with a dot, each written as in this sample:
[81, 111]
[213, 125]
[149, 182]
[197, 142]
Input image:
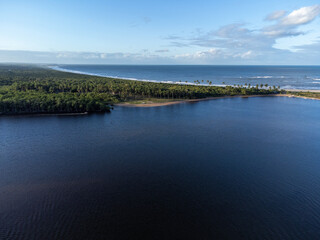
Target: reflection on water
[222, 169]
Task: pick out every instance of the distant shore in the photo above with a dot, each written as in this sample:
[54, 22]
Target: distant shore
[159, 104]
[302, 90]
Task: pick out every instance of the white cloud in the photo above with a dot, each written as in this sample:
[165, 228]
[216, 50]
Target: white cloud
[237, 37]
[162, 51]
[276, 15]
[307, 48]
[238, 42]
[77, 57]
[213, 52]
[231, 30]
[287, 26]
[207, 54]
[230, 44]
[103, 55]
[301, 16]
[246, 55]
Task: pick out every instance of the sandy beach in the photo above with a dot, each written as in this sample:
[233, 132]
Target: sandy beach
[302, 90]
[210, 98]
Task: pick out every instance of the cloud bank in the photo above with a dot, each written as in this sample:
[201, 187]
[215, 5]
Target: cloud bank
[236, 41]
[230, 44]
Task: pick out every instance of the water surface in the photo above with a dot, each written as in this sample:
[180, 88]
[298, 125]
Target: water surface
[222, 169]
[287, 77]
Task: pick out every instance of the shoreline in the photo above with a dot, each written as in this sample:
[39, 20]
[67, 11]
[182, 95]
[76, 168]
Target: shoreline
[302, 90]
[59, 69]
[156, 102]
[43, 114]
[206, 99]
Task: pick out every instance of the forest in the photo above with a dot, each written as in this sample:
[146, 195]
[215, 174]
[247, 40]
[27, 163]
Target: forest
[27, 89]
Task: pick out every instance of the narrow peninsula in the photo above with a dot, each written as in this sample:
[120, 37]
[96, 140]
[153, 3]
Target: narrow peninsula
[30, 89]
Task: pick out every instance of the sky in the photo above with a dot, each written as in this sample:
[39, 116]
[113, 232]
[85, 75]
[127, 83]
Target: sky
[244, 32]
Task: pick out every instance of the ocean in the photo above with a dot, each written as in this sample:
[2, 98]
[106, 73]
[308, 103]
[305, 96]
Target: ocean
[287, 77]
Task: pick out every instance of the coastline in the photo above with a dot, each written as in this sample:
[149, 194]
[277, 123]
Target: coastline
[153, 104]
[302, 90]
[60, 69]
[125, 101]
[44, 114]
[206, 99]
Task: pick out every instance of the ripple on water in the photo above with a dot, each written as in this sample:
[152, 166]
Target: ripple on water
[224, 169]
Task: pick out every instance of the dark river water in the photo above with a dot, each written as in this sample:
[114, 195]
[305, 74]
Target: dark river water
[242, 168]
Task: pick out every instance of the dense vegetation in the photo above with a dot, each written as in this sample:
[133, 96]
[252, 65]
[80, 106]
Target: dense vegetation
[307, 94]
[30, 89]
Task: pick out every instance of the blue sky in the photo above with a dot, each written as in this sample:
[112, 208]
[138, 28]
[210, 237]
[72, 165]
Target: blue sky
[160, 32]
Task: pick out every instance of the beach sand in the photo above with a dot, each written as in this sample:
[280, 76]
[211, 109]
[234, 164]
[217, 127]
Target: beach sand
[211, 98]
[302, 90]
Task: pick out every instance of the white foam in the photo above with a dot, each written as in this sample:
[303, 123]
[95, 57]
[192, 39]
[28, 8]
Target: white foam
[57, 68]
[264, 77]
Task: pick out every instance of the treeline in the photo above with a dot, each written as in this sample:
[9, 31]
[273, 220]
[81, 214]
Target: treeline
[307, 94]
[30, 89]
